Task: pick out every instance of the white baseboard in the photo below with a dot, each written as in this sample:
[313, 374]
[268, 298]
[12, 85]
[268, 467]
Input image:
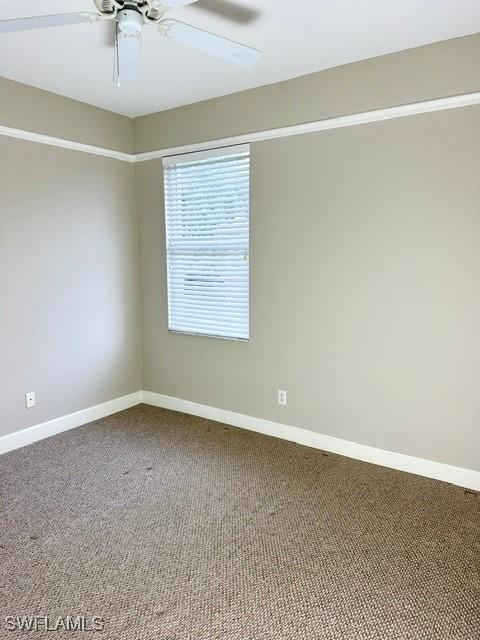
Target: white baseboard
[419, 466]
[439, 471]
[43, 430]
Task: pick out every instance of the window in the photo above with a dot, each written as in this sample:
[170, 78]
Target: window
[207, 225]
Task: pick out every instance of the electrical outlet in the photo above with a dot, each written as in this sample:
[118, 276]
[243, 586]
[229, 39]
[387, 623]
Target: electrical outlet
[282, 397]
[30, 399]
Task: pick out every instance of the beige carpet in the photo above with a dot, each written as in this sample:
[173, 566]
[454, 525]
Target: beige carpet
[172, 527]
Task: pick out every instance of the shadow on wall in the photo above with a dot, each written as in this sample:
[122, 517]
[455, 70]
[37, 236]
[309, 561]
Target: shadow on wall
[69, 323]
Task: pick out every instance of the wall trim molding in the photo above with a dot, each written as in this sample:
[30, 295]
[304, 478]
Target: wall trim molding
[364, 117]
[31, 136]
[437, 470]
[337, 122]
[43, 430]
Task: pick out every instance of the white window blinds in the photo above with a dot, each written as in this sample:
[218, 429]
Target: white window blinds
[207, 225]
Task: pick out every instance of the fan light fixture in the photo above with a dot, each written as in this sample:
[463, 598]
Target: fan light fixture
[129, 17]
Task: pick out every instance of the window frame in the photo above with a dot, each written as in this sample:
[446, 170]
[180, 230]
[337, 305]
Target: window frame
[198, 156]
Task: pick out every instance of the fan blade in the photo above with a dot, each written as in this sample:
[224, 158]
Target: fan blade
[127, 58]
[229, 10]
[210, 43]
[41, 22]
[170, 4]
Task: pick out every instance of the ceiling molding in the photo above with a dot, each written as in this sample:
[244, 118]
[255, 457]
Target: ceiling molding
[364, 117]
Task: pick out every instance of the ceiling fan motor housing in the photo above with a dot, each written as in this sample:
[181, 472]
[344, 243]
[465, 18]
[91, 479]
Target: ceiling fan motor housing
[130, 22]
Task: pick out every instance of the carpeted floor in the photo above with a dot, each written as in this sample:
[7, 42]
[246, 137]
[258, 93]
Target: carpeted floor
[172, 527]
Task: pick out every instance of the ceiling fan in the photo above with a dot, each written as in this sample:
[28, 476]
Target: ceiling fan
[129, 17]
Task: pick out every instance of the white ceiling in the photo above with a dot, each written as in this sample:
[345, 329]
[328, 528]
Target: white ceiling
[297, 38]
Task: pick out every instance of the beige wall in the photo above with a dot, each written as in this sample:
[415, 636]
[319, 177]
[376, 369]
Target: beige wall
[69, 306]
[24, 107]
[365, 289]
[434, 71]
[365, 262]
